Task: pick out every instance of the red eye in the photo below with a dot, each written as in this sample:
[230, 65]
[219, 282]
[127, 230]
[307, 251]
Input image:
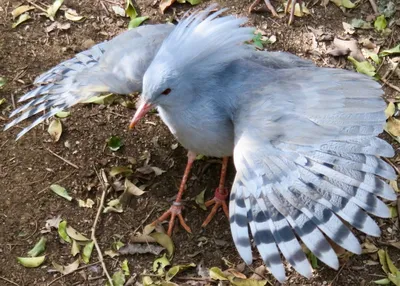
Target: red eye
[166, 92]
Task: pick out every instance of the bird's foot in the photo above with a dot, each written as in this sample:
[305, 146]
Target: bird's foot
[267, 3]
[218, 201]
[174, 211]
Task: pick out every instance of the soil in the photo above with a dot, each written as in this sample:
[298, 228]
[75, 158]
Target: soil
[28, 168]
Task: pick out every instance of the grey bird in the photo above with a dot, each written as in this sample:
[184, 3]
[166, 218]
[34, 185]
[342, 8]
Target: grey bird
[303, 138]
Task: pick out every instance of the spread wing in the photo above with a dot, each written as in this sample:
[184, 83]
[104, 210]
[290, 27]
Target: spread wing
[115, 66]
[307, 158]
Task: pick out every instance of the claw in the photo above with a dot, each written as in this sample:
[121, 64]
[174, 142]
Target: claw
[218, 201]
[174, 211]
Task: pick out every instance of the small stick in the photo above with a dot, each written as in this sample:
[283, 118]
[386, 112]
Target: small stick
[61, 158]
[390, 85]
[37, 6]
[57, 182]
[143, 221]
[80, 268]
[374, 7]
[337, 274]
[106, 187]
[391, 164]
[9, 281]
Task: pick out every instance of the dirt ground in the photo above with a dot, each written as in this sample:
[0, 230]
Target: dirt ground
[27, 168]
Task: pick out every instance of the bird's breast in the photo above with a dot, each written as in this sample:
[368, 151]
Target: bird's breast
[203, 133]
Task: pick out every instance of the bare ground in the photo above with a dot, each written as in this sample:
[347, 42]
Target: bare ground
[27, 168]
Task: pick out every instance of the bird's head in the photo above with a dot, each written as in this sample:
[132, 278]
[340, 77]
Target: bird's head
[200, 46]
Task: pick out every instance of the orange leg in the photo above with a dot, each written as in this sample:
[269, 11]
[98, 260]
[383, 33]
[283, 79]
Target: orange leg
[176, 208]
[267, 3]
[220, 196]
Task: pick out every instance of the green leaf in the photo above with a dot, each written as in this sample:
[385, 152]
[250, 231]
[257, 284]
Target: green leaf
[118, 278]
[136, 22]
[117, 245]
[393, 211]
[395, 50]
[373, 56]
[120, 170]
[348, 4]
[200, 200]
[63, 114]
[3, 100]
[113, 206]
[360, 24]
[380, 23]
[125, 267]
[3, 81]
[21, 19]
[383, 261]
[52, 10]
[130, 10]
[313, 259]
[55, 129]
[235, 281]
[87, 252]
[165, 241]
[395, 278]
[31, 262]
[39, 247]
[391, 266]
[75, 248]
[132, 189]
[71, 15]
[62, 192]
[194, 2]
[217, 274]
[177, 269]
[20, 10]
[160, 263]
[384, 281]
[114, 143]
[66, 269]
[74, 234]
[102, 99]
[363, 67]
[62, 231]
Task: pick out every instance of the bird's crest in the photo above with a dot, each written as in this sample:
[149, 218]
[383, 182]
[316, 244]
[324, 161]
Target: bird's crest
[205, 42]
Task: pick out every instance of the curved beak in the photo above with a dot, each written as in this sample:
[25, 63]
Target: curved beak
[143, 108]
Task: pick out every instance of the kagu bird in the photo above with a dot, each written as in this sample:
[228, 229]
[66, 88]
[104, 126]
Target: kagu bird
[303, 138]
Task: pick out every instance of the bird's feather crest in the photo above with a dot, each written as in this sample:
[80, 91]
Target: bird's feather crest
[204, 43]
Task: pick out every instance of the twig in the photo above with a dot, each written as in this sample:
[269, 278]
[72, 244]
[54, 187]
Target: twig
[37, 6]
[13, 101]
[391, 164]
[374, 7]
[338, 273]
[61, 158]
[33, 233]
[2, 145]
[390, 85]
[9, 281]
[106, 187]
[143, 221]
[79, 268]
[56, 182]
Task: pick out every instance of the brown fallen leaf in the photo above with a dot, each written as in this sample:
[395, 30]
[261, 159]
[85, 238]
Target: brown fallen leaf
[140, 248]
[338, 52]
[355, 52]
[165, 4]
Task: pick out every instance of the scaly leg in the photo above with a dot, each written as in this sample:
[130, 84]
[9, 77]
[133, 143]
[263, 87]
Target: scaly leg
[273, 11]
[220, 196]
[267, 3]
[176, 208]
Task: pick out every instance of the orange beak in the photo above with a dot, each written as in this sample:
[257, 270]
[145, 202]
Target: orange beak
[143, 108]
